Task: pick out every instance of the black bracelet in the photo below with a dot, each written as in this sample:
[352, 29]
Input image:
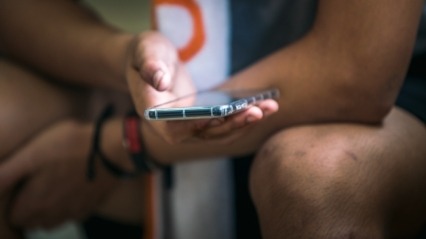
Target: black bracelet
[96, 151]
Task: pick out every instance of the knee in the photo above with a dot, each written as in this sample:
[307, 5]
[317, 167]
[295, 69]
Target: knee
[304, 182]
[303, 165]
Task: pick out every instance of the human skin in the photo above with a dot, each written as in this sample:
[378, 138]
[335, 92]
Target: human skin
[342, 38]
[14, 106]
[48, 156]
[326, 65]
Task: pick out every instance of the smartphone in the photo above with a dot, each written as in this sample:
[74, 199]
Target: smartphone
[209, 104]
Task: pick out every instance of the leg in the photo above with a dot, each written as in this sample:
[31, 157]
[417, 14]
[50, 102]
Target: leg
[343, 180]
[28, 105]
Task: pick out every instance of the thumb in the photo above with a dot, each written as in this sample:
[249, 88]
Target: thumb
[155, 57]
[157, 74]
[15, 168]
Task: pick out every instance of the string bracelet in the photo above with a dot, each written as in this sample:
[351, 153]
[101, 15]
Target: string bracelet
[96, 151]
[134, 144]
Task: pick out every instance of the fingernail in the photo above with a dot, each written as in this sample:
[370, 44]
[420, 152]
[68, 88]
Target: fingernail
[158, 77]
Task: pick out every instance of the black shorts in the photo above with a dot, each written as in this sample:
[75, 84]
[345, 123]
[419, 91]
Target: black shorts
[412, 96]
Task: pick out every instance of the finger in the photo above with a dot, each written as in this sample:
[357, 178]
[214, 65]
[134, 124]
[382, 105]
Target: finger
[157, 74]
[33, 208]
[39, 220]
[230, 138]
[252, 115]
[237, 121]
[53, 219]
[181, 130]
[145, 96]
[29, 224]
[227, 132]
[15, 169]
[155, 58]
[268, 107]
[255, 113]
[26, 209]
[177, 131]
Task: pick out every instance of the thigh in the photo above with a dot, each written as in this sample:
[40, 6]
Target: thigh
[348, 170]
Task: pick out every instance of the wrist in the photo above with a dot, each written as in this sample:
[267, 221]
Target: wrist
[135, 144]
[118, 145]
[100, 143]
[79, 138]
[115, 51]
[112, 144]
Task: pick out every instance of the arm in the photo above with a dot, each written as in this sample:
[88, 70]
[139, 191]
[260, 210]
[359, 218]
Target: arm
[350, 65]
[63, 39]
[348, 68]
[38, 167]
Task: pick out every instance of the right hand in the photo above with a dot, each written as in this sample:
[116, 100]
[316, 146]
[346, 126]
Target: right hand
[48, 175]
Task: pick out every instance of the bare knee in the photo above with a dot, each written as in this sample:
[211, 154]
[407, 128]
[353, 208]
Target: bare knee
[301, 182]
[302, 158]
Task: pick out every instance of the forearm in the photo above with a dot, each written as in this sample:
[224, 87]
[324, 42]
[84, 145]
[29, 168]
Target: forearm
[162, 151]
[349, 67]
[63, 39]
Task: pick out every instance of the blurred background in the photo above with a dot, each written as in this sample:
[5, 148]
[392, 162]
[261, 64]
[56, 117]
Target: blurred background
[130, 15]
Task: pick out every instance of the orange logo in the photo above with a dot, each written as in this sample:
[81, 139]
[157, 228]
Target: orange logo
[197, 38]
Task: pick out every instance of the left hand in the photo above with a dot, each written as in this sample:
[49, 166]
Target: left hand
[51, 173]
[226, 130]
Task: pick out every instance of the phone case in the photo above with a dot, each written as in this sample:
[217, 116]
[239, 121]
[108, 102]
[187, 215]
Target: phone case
[213, 111]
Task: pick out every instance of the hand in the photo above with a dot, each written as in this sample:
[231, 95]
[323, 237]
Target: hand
[155, 75]
[7, 230]
[51, 173]
[228, 129]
